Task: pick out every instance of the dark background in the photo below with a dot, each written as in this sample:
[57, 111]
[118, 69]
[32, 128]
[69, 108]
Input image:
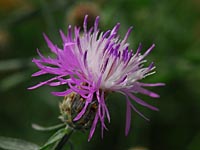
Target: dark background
[173, 25]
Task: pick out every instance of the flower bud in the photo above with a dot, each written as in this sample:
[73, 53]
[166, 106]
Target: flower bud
[72, 106]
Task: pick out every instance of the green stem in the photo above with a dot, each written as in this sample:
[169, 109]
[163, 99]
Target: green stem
[63, 141]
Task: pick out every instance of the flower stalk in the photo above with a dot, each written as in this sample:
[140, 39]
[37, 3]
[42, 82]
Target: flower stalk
[63, 141]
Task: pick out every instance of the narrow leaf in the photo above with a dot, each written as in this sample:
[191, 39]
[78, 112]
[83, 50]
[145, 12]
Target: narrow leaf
[16, 144]
[55, 138]
[41, 128]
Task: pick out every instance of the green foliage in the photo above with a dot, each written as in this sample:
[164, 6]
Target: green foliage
[51, 144]
[16, 144]
[54, 139]
[41, 128]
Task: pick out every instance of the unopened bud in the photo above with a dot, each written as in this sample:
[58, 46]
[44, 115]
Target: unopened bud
[72, 106]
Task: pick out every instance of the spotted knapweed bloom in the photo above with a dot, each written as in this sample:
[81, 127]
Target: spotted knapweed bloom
[92, 64]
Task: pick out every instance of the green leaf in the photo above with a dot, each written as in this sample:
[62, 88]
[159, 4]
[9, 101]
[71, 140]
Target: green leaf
[16, 144]
[41, 128]
[55, 138]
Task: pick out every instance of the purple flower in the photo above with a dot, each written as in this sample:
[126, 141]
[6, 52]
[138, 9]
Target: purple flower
[94, 64]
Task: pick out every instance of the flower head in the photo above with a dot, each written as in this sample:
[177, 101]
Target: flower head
[95, 63]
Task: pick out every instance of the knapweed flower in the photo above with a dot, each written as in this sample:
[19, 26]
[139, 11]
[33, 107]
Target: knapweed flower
[92, 64]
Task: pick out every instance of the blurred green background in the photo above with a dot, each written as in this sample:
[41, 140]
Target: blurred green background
[173, 25]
